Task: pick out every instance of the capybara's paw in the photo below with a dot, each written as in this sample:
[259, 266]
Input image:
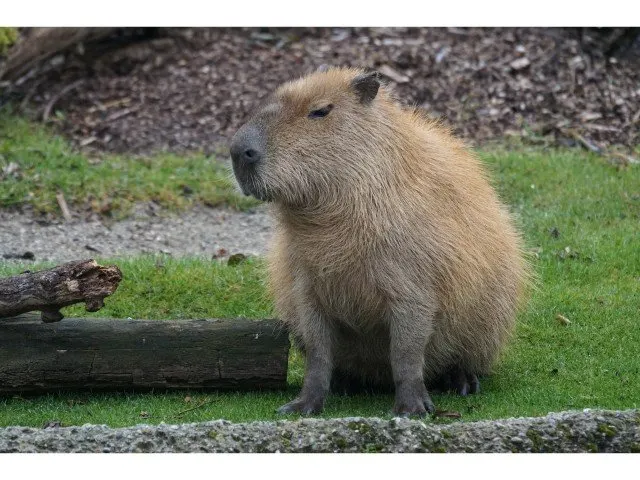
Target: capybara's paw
[301, 406]
[414, 402]
[463, 383]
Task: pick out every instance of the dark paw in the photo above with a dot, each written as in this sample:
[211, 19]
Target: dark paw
[414, 402]
[464, 383]
[301, 406]
[458, 381]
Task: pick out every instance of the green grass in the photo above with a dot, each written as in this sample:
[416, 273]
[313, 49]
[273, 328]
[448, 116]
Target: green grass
[561, 198]
[37, 165]
[161, 287]
[8, 36]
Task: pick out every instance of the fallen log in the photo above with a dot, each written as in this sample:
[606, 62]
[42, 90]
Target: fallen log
[50, 290]
[39, 43]
[115, 354]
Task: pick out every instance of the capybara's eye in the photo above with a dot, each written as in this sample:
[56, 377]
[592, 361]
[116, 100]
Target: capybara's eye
[321, 112]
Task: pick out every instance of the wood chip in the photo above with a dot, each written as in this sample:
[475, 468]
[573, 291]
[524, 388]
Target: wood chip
[120, 114]
[588, 116]
[197, 95]
[394, 75]
[58, 96]
[66, 213]
[520, 63]
[87, 141]
[447, 414]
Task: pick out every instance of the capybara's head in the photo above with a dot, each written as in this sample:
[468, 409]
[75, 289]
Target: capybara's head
[312, 137]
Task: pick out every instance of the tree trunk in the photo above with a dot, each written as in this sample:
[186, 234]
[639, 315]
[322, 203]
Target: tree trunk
[110, 354]
[37, 44]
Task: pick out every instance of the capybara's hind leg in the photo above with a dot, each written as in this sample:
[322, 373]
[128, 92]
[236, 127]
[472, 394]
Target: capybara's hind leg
[457, 380]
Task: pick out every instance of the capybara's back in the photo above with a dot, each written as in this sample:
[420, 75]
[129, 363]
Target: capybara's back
[394, 262]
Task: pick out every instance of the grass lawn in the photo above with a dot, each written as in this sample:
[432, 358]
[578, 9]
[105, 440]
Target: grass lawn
[35, 165]
[580, 216]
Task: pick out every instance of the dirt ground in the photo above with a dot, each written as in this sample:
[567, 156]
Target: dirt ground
[202, 232]
[190, 89]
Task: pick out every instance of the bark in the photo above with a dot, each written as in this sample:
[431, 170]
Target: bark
[37, 44]
[116, 354]
[50, 290]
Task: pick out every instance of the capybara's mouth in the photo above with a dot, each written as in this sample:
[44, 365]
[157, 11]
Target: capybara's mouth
[260, 193]
[251, 185]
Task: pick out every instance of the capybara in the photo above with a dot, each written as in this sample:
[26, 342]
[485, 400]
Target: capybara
[394, 263]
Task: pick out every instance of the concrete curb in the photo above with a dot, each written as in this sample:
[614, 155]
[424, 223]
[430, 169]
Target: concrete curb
[587, 431]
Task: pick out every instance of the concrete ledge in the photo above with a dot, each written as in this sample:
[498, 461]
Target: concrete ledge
[588, 431]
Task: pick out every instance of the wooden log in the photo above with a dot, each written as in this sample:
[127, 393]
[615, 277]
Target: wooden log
[50, 290]
[39, 43]
[114, 354]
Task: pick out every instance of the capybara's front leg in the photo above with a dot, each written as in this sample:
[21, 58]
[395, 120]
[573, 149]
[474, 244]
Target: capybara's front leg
[410, 329]
[318, 368]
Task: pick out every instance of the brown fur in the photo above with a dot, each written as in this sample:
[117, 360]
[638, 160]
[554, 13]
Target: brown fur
[383, 214]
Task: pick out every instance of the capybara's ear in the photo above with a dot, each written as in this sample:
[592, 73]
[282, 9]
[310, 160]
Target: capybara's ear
[366, 86]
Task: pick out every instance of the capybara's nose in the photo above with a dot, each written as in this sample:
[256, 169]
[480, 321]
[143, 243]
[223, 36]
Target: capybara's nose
[244, 154]
[248, 146]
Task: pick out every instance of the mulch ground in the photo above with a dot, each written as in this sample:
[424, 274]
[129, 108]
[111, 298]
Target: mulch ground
[190, 89]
